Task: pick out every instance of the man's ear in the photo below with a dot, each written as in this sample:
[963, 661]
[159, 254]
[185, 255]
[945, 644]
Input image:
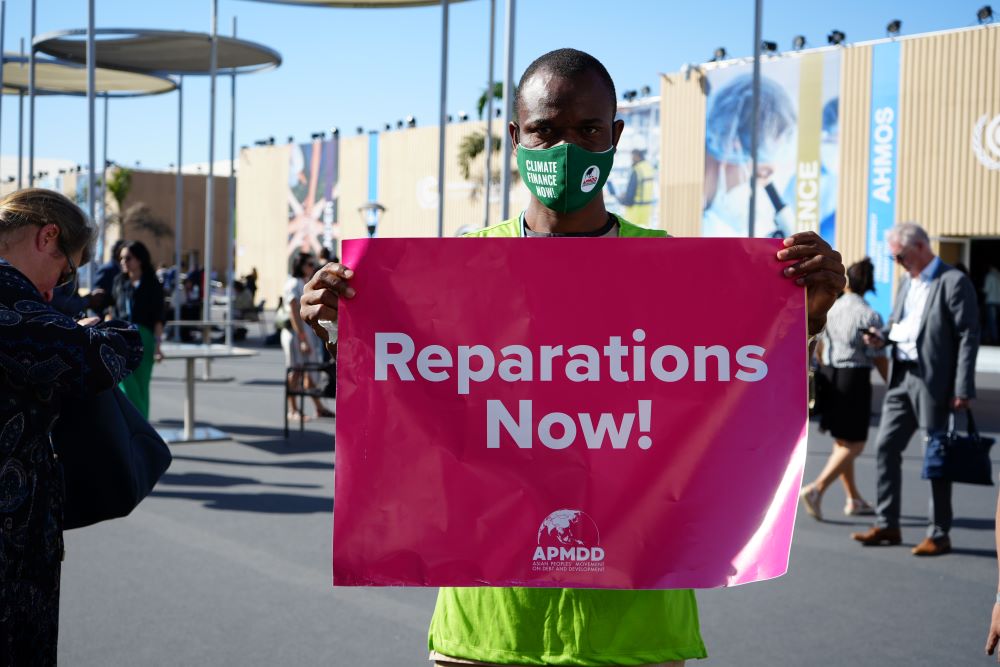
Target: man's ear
[616, 131]
[512, 131]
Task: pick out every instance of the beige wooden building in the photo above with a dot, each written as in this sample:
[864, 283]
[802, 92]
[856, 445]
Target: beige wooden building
[406, 186]
[947, 180]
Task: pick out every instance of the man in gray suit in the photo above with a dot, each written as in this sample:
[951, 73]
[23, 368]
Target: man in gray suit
[934, 335]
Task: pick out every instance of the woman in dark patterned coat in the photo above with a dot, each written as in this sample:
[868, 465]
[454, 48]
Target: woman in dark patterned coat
[46, 358]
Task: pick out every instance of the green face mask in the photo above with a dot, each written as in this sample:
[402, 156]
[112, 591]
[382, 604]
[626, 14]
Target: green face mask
[565, 177]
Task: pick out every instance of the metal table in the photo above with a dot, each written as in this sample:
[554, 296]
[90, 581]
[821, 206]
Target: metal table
[205, 327]
[189, 353]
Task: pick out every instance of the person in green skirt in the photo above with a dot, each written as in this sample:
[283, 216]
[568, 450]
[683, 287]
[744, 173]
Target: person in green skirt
[137, 297]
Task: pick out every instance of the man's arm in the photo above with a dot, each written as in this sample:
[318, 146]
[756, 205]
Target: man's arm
[633, 184]
[965, 316]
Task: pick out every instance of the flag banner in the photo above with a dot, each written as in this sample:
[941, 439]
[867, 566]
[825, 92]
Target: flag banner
[882, 166]
[608, 413]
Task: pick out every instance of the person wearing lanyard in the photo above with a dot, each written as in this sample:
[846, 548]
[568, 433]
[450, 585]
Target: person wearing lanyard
[565, 110]
[934, 334]
[137, 297]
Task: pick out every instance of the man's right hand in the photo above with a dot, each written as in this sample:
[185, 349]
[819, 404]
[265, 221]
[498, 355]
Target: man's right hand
[321, 295]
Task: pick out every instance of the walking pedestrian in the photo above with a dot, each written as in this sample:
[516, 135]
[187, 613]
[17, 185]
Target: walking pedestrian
[300, 343]
[933, 335]
[844, 388]
[991, 301]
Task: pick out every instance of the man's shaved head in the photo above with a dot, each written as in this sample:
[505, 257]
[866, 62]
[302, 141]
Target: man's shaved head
[568, 64]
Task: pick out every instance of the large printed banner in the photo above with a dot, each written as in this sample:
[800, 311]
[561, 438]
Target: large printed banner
[608, 413]
[798, 147]
[882, 163]
[313, 171]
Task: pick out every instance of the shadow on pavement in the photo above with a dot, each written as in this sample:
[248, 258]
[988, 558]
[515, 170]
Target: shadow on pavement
[268, 383]
[265, 503]
[208, 479]
[981, 553]
[295, 465]
[973, 524]
[273, 438]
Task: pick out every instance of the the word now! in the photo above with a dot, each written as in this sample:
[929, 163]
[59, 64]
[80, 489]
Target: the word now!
[523, 428]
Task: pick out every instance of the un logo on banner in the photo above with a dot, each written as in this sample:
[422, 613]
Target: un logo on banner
[986, 141]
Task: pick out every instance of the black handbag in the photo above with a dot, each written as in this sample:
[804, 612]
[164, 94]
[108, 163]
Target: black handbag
[111, 457]
[959, 458]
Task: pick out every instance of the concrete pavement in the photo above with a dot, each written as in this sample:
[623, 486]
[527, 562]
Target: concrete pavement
[228, 563]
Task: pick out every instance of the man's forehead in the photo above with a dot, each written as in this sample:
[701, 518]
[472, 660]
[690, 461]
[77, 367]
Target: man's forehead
[548, 93]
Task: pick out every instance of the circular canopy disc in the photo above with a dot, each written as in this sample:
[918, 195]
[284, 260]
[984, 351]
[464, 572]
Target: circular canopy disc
[361, 4]
[55, 78]
[159, 51]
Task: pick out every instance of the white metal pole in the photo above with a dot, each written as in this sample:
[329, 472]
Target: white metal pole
[104, 186]
[3, 26]
[178, 210]
[20, 129]
[489, 120]
[231, 236]
[210, 183]
[755, 118]
[91, 125]
[508, 108]
[31, 100]
[443, 120]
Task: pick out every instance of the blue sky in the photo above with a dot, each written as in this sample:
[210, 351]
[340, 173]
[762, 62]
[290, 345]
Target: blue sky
[351, 67]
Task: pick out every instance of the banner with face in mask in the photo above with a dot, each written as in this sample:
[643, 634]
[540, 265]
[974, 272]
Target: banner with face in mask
[798, 143]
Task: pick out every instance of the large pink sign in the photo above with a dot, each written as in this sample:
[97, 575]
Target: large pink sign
[599, 413]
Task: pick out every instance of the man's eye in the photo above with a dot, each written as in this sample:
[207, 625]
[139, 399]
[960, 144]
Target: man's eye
[591, 130]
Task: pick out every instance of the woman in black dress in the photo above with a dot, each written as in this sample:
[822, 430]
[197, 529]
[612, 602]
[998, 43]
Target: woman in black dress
[844, 389]
[137, 297]
[46, 359]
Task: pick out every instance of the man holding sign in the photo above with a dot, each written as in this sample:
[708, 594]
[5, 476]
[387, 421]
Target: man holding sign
[564, 140]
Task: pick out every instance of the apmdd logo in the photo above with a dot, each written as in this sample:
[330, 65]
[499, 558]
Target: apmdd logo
[590, 178]
[568, 541]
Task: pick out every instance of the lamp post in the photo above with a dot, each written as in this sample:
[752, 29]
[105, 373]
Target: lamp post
[371, 212]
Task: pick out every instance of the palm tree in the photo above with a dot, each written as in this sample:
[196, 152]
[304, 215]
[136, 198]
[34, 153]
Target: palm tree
[119, 185]
[472, 153]
[497, 94]
[140, 216]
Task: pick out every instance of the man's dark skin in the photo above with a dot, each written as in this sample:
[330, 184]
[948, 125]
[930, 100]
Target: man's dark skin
[553, 109]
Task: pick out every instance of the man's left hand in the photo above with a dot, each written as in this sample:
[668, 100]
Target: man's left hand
[819, 268]
[958, 403]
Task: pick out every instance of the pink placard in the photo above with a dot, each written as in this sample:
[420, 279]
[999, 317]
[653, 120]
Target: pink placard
[599, 413]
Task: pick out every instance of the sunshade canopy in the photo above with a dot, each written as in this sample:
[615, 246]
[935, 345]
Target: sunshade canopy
[159, 51]
[360, 4]
[62, 78]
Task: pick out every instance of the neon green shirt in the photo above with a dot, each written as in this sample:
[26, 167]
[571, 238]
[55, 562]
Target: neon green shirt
[566, 626]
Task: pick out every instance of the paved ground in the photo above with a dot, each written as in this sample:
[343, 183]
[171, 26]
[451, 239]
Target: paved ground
[228, 563]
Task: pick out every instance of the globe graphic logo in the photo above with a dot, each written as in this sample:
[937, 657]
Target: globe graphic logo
[568, 528]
